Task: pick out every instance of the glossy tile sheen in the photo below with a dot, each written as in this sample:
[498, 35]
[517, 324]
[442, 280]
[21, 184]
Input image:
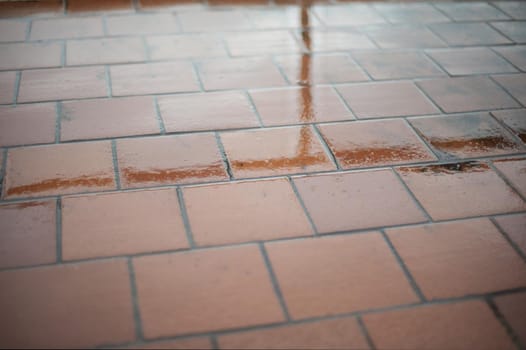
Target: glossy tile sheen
[115, 224]
[169, 160]
[459, 190]
[7, 87]
[465, 136]
[404, 13]
[142, 24]
[403, 36]
[514, 9]
[461, 325]
[468, 34]
[476, 11]
[331, 275]
[513, 170]
[299, 105]
[264, 43]
[472, 256]
[513, 226]
[216, 289]
[515, 84]
[213, 21]
[516, 31]
[337, 40]
[285, 17]
[358, 200]
[28, 233]
[30, 55]
[63, 28]
[275, 152]
[366, 144]
[100, 51]
[515, 54]
[27, 124]
[348, 15]
[195, 46]
[210, 111]
[58, 169]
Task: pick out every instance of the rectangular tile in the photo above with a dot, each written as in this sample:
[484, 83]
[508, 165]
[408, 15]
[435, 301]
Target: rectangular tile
[27, 124]
[512, 307]
[468, 34]
[142, 23]
[103, 51]
[13, 30]
[515, 85]
[403, 36]
[342, 15]
[168, 47]
[410, 13]
[30, 55]
[513, 169]
[7, 87]
[65, 28]
[261, 43]
[515, 120]
[214, 21]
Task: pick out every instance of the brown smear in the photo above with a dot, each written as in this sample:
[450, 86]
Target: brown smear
[280, 163]
[23, 205]
[451, 168]
[472, 144]
[133, 175]
[376, 155]
[57, 184]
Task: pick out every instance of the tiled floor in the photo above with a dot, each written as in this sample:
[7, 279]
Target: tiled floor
[252, 174]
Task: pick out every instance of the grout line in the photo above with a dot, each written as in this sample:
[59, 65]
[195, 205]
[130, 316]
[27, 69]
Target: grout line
[65, 7]
[224, 157]
[135, 5]
[146, 49]
[365, 332]
[107, 75]
[3, 171]
[506, 181]
[254, 108]
[281, 71]
[508, 239]
[115, 164]
[518, 70]
[410, 193]
[438, 65]
[274, 282]
[344, 101]
[105, 32]
[492, 78]
[158, 115]
[63, 54]
[352, 58]
[405, 269]
[16, 89]
[58, 219]
[508, 131]
[195, 69]
[490, 24]
[325, 146]
[422, 140]
[428, 97]
[502, 320]
[214, 342]
[135, 301]
[29, 26]
[58, 121]
[186, 220]
[303, 206]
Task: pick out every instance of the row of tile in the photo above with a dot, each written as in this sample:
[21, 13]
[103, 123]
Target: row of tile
[44, 302]
[91, 225]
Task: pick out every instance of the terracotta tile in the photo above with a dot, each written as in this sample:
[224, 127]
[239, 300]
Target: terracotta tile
[168, 160]
[407, 13]
[449, 191]
[513, 226]
[27, 8]
[320, 69]
[261, 43]
[62, 84]
[210, 111]
[467, 94]
[283, 17]
[365, 144]
[177, 4]
[464, 34]
[515, 30]
[514, 9]
[513, 307]
[337, 40]
[461, 325]
[270, 206]
[30, 55]
[76, 305]
[153, 78]
[357, 200]
[467, 61]
[101, 51]
[91, 119]
[27, 124]
[180, 344]
[515, 84]
[332, 275]
[347, 15]
[217, 289]
[98, 5]
[239, 73]
[403, 36]
[476, 11]
[58, 169]
[515, 54]
[213, 21]
[299, 105]
[7, 86]
[195, 46]
[64, 28]
[116, 224]
[271, 152]
[397, 65]
[465, 136]
[514, 170]
[143, 23]
[389, 99]
[28, 233]
[342, 333]
[12, 30]
[471, 255]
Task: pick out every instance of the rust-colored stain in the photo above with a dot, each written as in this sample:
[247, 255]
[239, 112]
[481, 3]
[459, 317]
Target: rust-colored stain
[451, 168]
[374, 155]
[59, 183]
[23, 205]
[522, 136]
[508, 159]
[472, 144]
[281, 163]
[134, 175]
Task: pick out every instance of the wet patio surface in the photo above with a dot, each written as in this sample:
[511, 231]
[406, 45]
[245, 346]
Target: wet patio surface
[245, 174]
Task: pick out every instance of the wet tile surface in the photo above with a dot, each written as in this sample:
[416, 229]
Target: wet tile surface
[367, 144]
[465, 136]
[262, 174]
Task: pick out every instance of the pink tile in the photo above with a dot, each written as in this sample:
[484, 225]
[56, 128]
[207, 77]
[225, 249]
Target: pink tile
[13, 30]
[30, 55]
[7, 87]
[62, 28]
[514, 170]
[27, 124]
